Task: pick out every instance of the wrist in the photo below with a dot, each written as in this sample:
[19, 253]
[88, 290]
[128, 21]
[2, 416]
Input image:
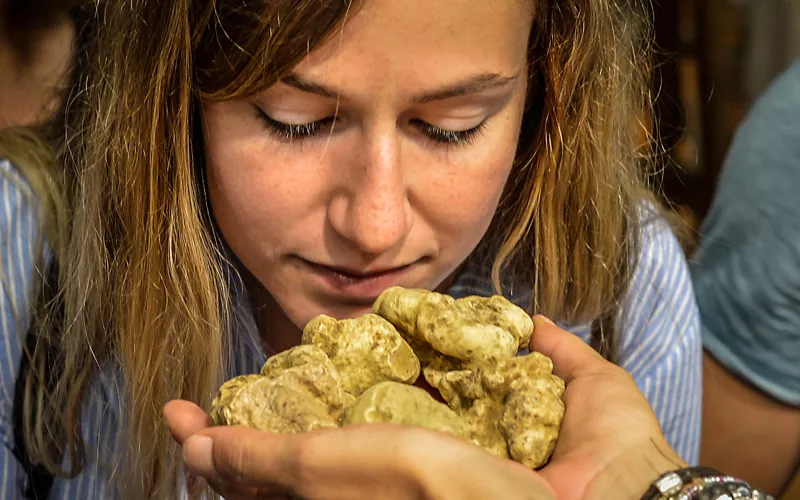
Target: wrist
[628, 475]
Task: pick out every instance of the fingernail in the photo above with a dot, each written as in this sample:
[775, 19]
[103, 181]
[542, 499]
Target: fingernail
[545, 319]
[198, 455]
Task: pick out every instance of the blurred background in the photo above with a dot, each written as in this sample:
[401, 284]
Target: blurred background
[715, 57]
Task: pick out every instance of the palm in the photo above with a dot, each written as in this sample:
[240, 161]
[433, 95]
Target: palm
[598, 406]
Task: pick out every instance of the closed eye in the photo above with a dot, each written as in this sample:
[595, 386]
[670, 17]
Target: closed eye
[447, 136]
[291, 131]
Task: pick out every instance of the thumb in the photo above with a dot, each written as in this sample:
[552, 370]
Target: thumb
[572, 357]
[184, 418]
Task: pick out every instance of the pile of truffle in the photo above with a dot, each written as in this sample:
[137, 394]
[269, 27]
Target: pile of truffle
[361, 370]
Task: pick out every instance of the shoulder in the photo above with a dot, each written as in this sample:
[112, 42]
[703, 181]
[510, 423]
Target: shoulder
[21, 241]
[9, 170]
[755, 216]
[761, 173]
[21, 248]
[18, 205]
[15, 192]
[777, 107]
[659, 321]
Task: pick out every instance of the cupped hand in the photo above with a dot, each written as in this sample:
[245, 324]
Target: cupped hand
[611, 444]
[354, 462]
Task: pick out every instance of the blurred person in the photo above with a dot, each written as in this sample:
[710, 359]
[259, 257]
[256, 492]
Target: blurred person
[35, 49]
[746, 274]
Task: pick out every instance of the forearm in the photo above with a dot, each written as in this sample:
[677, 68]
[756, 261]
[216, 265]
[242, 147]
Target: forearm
[747, 434]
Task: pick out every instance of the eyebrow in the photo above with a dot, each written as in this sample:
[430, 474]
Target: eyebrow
[299, 83]
[471, 85]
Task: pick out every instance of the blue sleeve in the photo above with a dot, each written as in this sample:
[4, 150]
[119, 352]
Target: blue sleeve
[746, 271]
[102, 431]
[660, 342]
[20, 245]
[22, 250]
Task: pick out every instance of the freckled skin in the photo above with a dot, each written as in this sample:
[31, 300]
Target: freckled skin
[377, 192]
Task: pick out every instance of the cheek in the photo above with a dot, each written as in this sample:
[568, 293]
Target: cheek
[460, 199]
[252, 197]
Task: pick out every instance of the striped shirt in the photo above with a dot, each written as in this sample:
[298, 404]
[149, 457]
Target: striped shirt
[659, 344]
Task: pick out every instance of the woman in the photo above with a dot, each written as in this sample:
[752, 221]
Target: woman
[232, 170]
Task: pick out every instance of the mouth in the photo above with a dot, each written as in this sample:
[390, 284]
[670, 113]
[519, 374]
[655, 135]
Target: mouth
[356, 286]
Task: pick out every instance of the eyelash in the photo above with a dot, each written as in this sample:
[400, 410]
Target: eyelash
[450, 137]
[290, 132]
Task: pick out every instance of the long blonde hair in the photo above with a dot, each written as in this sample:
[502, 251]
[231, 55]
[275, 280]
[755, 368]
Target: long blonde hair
[140, 280]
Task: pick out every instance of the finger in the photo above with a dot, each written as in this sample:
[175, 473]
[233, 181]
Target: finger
[570, 354]
[184, 419]
[312, 464]
[242, 456]
[346, 462]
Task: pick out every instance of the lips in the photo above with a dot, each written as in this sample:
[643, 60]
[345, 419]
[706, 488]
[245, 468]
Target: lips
[354, 285]
[358, 275]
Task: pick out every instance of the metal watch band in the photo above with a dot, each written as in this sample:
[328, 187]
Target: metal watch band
[701, 483]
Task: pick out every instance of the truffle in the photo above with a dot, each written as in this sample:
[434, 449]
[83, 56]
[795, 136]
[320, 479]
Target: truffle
[361, 370]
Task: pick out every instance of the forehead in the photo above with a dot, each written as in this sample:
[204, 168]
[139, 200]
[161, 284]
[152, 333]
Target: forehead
[423, 41]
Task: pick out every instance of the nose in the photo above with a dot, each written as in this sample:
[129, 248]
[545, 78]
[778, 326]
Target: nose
[372, 211]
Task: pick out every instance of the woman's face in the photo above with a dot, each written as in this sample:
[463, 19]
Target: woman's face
[380, 161]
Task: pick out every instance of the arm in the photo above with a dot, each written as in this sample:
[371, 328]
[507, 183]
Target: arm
[102, 430]
[746, 433]
[20, 258]
[19, 253]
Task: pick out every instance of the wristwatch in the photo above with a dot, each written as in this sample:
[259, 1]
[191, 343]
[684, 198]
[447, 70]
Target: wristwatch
[701, 483]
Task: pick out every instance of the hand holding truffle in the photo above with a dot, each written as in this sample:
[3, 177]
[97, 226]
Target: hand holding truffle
[609, 435]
